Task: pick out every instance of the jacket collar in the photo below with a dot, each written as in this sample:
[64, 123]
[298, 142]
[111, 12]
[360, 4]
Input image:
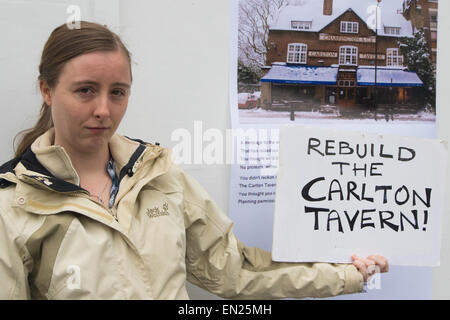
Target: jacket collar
[53, 159]
[50, 165]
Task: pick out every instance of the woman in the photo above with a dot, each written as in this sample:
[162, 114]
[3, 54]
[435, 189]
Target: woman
[88, 214]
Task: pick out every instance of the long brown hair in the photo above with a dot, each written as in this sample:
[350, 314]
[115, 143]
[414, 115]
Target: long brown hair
[62, 45]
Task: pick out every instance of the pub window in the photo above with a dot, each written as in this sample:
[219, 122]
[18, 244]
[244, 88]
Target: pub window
[393, 57]
[433, 19]
[346, 83]
[349, 27]
[297, 53]
[301, 25]
[433, 35]
[392, 30]
[348, 55]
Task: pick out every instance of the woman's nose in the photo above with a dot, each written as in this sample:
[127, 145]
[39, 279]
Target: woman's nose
[102, 106]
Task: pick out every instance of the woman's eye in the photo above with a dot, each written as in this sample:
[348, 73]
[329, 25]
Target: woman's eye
[118, 93]
[85, 91]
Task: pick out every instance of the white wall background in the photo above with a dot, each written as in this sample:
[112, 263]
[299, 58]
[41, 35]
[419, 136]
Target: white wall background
[181, 64]
[441, 275]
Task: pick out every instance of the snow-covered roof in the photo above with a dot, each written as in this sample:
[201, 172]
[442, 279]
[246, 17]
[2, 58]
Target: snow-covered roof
[282, 73]
[312, 10]
[386, 76]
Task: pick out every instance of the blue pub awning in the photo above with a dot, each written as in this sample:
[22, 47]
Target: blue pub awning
[387, 77]
[281, 73]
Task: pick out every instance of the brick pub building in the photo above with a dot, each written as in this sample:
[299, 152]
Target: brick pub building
[325, 52]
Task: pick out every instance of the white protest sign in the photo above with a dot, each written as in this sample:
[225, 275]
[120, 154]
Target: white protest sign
[341, 192]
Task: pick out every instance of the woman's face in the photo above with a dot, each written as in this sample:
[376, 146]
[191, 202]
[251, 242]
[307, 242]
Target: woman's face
[89, 100]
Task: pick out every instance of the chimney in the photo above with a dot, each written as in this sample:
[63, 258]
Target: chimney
[327, 7]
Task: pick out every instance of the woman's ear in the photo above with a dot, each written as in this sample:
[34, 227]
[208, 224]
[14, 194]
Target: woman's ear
[46, 92]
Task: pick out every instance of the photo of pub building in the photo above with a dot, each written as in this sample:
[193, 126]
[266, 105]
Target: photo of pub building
[324, 53]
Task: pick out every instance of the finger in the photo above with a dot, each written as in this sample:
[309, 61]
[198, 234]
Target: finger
[355, 257]
[380, 261]
[371, 266]
[369, 262]
[383, 262]
[361, 266]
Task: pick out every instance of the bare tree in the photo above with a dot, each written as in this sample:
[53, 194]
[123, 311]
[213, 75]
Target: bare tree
[255, 18]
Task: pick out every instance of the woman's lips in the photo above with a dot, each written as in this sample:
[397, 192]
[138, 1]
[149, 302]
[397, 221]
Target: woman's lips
[97, 130]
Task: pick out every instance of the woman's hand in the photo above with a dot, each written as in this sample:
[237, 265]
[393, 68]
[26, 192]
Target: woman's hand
[370, 265]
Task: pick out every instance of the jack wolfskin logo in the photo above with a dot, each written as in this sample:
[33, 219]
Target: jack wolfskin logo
[157, 212]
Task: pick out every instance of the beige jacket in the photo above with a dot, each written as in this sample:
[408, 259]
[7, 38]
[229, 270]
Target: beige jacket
[57, 243]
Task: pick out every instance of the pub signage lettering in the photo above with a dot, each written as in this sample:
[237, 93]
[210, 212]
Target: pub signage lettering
[331, 54]
[323, 54]
[328, 37]
[371, 56]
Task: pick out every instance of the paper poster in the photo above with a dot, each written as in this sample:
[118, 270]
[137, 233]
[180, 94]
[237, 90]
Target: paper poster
[330, 64]
[343, 192]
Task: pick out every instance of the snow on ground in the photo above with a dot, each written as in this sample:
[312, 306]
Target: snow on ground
[267, 116]
[422, 124]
